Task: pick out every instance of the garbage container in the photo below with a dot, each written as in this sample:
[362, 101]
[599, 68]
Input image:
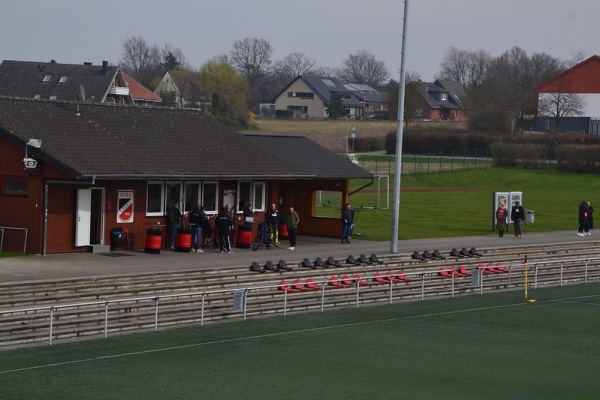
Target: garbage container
[283, 231]
[529, 216]
[244, 236]
[116, 237]
[183, 240]
[153, 241]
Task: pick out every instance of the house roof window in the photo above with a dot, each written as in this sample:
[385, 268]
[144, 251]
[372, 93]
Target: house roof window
[63, 79]
[47, 78]
[52, 97]
[37, 96]
[328, 82]
[443, 96]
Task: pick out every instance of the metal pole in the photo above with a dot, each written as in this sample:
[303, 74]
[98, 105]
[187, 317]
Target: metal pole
[401, 85]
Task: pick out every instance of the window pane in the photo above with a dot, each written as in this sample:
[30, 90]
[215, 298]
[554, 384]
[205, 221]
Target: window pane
[173, 193]
[192, 191]
[15, 186]
[259, 196]
[209, 197]
[154, 198]
[245, 195]
[328, 203]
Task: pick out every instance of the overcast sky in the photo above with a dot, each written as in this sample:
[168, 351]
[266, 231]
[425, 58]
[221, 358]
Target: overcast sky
[327, 31]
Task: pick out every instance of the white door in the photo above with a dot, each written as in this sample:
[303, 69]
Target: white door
[84, 213]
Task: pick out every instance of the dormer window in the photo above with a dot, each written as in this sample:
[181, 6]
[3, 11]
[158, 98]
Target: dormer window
[52, 97]
[62, 79]
[37, 97]
[47, 78]
[443, 96]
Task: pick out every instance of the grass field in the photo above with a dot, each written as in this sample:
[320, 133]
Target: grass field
[495, 346]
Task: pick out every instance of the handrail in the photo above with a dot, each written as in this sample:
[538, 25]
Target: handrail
[418, 277]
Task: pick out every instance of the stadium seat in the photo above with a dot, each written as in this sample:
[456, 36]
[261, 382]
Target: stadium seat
[500, 268]
[445, 273]
[282, 266]
[283, 286]
[417, 256]
[402, 277]
[473, 252]
[256, 268]
[352, 260]
[332, 262]
[364, 260]
[455, 253]
[299, 286]
[375, 259]
[484, 270]
[426, 255]
[454, 272]
[269, 266]
[392, 278]
[491, 268]
[346, 280]
[319, 263]
[380, 279]
[360, 281]
[463, 270]
[310, 283]
[307, 264]
[465, 253]
[437, 254]
[334, 281]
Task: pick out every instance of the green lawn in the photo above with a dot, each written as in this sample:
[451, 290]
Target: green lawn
[495, 346]
[554, 196]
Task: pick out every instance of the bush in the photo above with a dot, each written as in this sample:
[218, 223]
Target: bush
[579, 158]
[285, 114]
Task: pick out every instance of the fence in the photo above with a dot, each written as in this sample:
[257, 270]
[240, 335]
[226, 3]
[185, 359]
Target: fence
[99, 318]
[413, 163]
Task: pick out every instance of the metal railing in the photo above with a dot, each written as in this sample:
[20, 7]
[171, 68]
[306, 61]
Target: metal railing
[236, 303]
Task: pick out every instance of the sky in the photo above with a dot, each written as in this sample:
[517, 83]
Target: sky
[327, 31]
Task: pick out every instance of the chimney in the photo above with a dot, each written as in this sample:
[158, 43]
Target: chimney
[87, 63]
[104, 67]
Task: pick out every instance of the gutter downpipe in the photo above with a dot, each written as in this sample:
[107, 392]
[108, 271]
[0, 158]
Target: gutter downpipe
[46, 187]
[362, 187]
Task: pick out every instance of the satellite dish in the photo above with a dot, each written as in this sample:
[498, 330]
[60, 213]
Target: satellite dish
[81, 95]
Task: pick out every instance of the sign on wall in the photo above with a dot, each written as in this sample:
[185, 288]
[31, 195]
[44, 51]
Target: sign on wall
[125, 206]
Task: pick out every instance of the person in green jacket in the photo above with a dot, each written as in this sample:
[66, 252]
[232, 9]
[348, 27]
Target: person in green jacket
[291, 220]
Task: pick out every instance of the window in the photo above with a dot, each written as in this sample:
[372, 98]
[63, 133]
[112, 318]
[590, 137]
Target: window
[37, 96]
[209, 197]
[47, 78]
[62, 79]
[328, 82]
[327, 203]
[443, 96]
[174, 193]
[10, 186]
[154, 199]
[52, 97]
[418, 112]
[251, 193]
[192, 196]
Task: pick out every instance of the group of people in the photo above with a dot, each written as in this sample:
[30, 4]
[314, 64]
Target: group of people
[517, 215]
[586, 218]
[291, 220]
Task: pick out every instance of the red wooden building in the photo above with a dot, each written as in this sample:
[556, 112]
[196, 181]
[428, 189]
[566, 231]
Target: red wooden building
[71, 172]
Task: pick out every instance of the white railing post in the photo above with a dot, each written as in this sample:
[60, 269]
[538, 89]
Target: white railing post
[245, 301]
[322, 296]
[155, 300]
[423, 286]
[105, 320]
[51, 327]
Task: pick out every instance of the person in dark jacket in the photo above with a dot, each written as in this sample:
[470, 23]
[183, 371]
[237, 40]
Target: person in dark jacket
[174, 221]
[196, 218]
[272, 219]
[347, 223]
[224, 224]
[517, 215]
[588, 218]
[581, 215]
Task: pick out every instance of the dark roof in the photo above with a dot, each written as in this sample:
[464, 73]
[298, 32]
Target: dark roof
[26, 79]
[430, 92]
[324, 86]
[367, 93]
[310, 156]
[131, 142]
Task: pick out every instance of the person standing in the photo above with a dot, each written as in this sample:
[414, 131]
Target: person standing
[589, 219]
[517, 215]
[291, 220]
[582, 221]
[174, 221]
[272, 219]
[501, 215]
[196, 218]
[224, 225]
[347, 223]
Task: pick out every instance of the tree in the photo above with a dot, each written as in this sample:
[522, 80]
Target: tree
[364, 68]
[227, 91]
[292, 65]
[336, 106]
[252, 58]
[465, 67]
[170, 62]
[560, 105]
[140, 60]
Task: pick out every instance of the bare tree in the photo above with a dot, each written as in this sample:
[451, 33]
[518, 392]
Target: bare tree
[364, 68]
[140, 59]
[251, 57]
[559, 105]
[465, 67]
[292, 65]
[326, 71]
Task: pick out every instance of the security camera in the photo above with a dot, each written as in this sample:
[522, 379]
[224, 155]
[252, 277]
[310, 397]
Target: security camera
[30, 163]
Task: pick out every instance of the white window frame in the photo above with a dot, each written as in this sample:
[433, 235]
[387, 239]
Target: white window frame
[178, 199]
[199, 195]
[216, 210]
[262, 197]
[443, 96]
[162, 199]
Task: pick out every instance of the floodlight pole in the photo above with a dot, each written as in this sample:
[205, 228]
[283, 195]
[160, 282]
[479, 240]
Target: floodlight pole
[399, 131]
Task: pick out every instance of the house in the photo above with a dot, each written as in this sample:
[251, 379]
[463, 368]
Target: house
[309, 97]
[72, 82]
[183, 87]
[373, 100]
[71, 172]
[582, 79]
[438, 100]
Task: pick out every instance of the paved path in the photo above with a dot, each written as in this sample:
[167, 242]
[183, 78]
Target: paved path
[71, 265]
